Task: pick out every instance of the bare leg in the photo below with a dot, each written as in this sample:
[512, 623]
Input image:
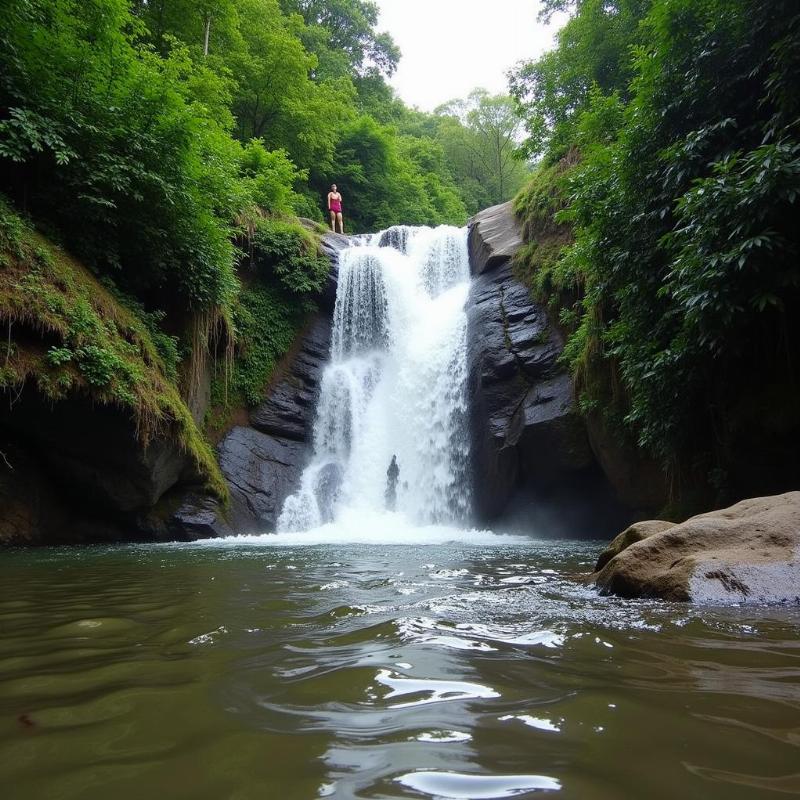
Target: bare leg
[340, 221]
[333, 221]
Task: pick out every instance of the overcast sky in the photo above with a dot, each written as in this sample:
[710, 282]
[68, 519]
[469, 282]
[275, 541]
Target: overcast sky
[451, 46]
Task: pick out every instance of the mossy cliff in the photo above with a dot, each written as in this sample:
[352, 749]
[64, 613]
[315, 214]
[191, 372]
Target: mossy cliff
[749, 422]
[108, 410]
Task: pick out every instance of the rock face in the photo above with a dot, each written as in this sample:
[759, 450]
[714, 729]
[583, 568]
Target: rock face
[288, 410]
[528, 440]
[332, 245]
[76, 471]
[494, 237]
[262, 471]
[71, 471]
[262, 461]
[748, 553]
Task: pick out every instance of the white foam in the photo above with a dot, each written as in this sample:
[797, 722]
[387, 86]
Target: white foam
[365, 526]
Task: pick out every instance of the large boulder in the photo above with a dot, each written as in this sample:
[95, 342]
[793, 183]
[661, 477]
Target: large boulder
[748, 553]
[637, 532]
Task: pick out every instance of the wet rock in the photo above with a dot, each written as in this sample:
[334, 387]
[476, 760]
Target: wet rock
[332, 245]
[395, 237]
[531, 456]
[92, 451]
[525, 429]
[639, 482]
[326, 489]
[198, 517]
[547, 422]
[494, 236]
[30, 508]
[262, 471]
[288, 410]
[748, 553]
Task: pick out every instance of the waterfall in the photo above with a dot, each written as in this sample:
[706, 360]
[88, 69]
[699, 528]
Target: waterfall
[395, 384]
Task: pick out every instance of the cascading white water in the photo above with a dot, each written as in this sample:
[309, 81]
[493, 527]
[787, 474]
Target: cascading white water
[395, 385]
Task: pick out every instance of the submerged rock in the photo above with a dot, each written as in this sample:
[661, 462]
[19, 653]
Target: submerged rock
[748, 553]
[326, 490]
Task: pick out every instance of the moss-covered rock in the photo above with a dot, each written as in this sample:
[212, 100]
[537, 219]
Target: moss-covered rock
[90, 385]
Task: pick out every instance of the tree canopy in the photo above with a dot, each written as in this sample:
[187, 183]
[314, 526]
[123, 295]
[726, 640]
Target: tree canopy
[670, 132]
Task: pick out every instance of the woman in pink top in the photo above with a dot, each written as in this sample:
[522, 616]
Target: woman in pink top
[335, 207]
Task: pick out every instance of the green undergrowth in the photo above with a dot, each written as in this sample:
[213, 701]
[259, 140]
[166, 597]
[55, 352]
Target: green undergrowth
[281, 275]
[267, 323]
[550, 263]
[540, 264]
[66, 332]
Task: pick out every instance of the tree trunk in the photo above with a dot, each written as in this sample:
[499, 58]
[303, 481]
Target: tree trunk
[208, 31]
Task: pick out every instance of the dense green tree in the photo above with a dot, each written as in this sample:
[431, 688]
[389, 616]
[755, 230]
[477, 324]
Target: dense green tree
[682, 196]
[595, 51]
[480, 138]
[342, 34]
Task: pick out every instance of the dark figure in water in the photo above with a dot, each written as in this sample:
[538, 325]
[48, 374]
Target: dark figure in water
[392, 474]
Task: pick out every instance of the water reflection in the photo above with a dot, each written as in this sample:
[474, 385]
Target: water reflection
[452, 670]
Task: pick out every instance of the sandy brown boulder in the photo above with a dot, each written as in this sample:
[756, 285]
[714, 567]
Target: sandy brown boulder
[632, 534]
[749, 552]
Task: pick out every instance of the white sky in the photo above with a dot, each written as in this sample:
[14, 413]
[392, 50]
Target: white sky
[453, 46]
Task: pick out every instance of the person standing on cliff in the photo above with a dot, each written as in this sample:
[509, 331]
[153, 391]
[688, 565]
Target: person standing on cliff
[335, 208]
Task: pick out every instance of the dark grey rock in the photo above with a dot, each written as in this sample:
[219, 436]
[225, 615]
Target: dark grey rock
[494, 237]
[526, 433]
[262, 471]
[332, 245]
[288, 410]
[30, 510]
[549, 432]
[395, 237]
[198, 517]
[93, 451]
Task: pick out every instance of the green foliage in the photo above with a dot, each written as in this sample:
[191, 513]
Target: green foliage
[594, 53]
[66, 332]
[342, 34]
[267, 321]
[540, 262]
[683, 208]
[384, 172]
[480, 136]
[290, 253]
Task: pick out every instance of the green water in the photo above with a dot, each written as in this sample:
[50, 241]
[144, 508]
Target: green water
[450, 670]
